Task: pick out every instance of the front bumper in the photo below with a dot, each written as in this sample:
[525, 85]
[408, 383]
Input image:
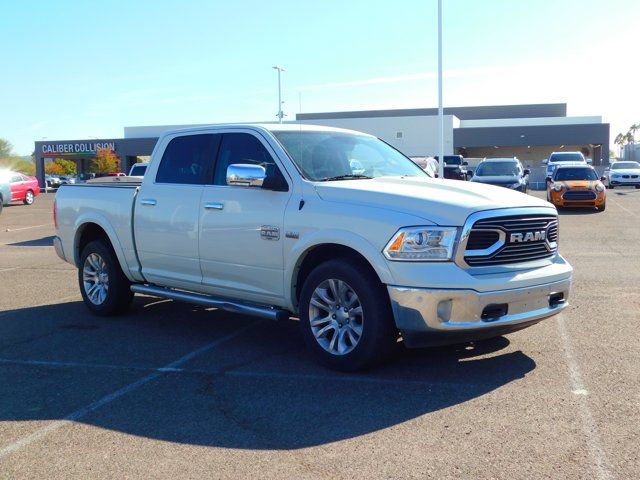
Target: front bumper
[625, 182]
[443, 316]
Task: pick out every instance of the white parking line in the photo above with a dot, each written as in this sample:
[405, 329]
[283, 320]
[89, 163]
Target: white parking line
[618, 204]
[27, 228]
[589, 426]
[84, 411]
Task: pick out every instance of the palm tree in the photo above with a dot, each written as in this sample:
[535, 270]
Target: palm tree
[619, 140]
[632, 130]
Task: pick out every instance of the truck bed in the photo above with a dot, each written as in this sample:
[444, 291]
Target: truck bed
[109, 205]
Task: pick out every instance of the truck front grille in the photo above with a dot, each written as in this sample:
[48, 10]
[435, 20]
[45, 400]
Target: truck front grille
[526, 238]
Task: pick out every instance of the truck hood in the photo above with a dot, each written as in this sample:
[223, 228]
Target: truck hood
[443, 202]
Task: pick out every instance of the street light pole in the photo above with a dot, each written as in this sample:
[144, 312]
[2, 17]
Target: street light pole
[440, 107]
[280, 112]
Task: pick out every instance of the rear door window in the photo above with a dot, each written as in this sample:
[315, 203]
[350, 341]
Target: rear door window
[189, 159]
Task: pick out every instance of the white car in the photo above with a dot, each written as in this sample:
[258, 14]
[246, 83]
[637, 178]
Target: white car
[623, 174]
[563, 158]
[271, 220]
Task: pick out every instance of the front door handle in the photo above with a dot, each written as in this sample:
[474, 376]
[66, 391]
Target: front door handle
[148, 201]
[214, 206]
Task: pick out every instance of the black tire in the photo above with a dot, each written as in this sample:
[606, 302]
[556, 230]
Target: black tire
[1, 205]
[602, 208]
[637, 187]
[118, 295]
[379, 333]
[29, 197]
[611, 187]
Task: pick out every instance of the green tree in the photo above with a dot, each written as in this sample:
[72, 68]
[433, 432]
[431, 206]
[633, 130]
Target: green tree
[105, 162]
[68, 166]
[5, 148]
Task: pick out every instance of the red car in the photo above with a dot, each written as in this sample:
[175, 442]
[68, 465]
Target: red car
[23, 188]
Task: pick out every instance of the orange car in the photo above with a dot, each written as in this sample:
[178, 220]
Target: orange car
[577, 186]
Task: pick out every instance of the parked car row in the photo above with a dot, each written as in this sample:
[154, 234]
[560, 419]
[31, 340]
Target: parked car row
[567, 187]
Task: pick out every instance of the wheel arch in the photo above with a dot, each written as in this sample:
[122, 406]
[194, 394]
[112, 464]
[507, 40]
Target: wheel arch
[314, 254]
[89, 229]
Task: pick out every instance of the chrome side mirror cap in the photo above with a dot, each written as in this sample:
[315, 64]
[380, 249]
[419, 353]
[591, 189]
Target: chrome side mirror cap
[246, 175]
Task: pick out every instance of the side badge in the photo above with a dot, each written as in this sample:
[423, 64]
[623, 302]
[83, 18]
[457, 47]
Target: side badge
[268, 232]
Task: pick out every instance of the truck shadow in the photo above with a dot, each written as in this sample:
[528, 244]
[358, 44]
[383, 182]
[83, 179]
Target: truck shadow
[259, 390]
[39, 242]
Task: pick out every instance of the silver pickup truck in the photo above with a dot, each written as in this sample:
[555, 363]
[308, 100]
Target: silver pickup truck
[332, 226]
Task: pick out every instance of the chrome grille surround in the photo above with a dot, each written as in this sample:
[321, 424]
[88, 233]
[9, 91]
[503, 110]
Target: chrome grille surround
[502, 253]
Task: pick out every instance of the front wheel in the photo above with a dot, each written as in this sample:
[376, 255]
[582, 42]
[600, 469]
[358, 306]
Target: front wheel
[602, 208]
[29, 198]
[104, 287]
[345, 316]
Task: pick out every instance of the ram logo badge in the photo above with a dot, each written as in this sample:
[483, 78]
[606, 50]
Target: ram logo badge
[268, 232]
[528, 237]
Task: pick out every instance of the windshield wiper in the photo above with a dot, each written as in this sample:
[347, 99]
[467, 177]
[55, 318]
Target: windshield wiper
[344, 177]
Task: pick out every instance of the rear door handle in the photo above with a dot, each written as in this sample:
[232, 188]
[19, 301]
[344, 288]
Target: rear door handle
[148, 201]
[214, 206]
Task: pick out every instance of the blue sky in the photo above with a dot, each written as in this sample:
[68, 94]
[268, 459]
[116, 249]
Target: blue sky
[81, 69]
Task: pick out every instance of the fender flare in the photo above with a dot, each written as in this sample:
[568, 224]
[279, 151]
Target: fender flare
[345, 238]
[82, 221]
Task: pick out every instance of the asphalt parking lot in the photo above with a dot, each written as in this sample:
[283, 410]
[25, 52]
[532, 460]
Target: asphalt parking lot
[172, 390]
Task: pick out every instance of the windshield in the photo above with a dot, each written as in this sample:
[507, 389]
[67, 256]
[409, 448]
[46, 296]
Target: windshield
[323, 156]
[566, 157]
[497, 168]
[576, 174]
[625, 165]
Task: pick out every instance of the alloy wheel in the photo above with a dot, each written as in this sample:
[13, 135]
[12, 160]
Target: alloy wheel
[95, 279]
[336, 316]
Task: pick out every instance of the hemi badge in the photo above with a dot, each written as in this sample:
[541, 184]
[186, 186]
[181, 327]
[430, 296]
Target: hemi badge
[292, 235]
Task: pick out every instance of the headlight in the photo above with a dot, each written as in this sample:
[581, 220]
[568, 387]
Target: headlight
[615, 175]
[422, 244]
[557, 187]
[600, 187]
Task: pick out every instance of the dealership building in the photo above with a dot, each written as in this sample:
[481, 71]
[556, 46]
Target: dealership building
[529, 132]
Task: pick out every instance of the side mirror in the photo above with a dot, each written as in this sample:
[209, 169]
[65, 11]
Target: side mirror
[526, 171]
[246, 175]
[465, 163]
[589, 161]
[545, 161]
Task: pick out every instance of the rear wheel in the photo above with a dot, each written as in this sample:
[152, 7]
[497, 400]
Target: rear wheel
[345, 316]
[29, 197]
[104, 287]
[611, 187]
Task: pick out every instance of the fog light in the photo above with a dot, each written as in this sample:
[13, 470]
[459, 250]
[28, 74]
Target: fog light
[444, 310]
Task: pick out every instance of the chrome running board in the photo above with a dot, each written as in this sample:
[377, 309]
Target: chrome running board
[269, 313]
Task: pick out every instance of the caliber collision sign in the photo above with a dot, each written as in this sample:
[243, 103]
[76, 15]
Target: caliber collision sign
[90, 148]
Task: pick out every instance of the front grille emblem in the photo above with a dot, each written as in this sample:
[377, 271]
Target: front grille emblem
[538, 236]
